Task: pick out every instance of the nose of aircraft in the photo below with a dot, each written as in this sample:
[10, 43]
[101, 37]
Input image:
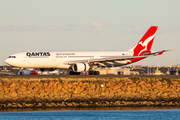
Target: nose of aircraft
[7, 61]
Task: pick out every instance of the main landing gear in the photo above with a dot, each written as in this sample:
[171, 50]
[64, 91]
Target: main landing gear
[74, 73]
[90, 73]
[94, 73]
[21, 71]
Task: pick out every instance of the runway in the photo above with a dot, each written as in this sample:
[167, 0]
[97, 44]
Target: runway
[42, 76]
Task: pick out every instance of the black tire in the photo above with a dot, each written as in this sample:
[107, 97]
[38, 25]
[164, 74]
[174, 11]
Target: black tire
[97, 72]
[21, 73]
[74, 73]
[93, 72]
[90, 72]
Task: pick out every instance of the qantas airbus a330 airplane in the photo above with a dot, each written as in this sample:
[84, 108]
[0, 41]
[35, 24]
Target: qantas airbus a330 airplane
[80, 61]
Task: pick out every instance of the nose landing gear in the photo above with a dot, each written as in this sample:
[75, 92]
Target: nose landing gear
[21, 71]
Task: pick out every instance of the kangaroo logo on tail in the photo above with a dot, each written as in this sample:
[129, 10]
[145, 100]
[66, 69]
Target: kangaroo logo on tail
[145, 44]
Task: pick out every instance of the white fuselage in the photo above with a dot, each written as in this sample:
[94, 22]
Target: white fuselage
[80, 61]
[58, 59]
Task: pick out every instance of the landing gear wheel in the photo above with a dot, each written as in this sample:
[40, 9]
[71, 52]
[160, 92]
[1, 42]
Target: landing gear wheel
[94, 73]
[74, 73]
[21, 73]
[97, 72]
[90, 72]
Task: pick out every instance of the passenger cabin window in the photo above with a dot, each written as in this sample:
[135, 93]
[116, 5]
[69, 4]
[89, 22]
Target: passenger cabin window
[12, 56]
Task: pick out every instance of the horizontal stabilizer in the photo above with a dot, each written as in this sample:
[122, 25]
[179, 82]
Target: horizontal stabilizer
[157, 53]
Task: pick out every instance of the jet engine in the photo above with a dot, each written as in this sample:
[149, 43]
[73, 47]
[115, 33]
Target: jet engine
[80, 67]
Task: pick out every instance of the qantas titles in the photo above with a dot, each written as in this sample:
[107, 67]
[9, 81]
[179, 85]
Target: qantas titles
[44, 54]
[38, 54]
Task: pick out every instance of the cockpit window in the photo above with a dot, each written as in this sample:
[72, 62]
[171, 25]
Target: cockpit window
[12, 57]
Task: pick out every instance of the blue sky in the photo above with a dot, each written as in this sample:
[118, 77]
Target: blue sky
[59, 25]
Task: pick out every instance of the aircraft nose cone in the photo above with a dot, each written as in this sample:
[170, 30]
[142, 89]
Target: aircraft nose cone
[7, 61]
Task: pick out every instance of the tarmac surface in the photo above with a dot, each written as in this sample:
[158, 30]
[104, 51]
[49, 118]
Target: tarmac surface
[91, 75]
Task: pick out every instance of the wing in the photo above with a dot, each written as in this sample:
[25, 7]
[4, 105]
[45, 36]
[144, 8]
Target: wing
[108, 60]
[118, 59]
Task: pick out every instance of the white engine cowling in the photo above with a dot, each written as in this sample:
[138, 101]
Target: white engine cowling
[80, 67]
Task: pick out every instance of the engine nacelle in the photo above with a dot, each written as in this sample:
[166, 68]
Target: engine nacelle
[80, 67]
